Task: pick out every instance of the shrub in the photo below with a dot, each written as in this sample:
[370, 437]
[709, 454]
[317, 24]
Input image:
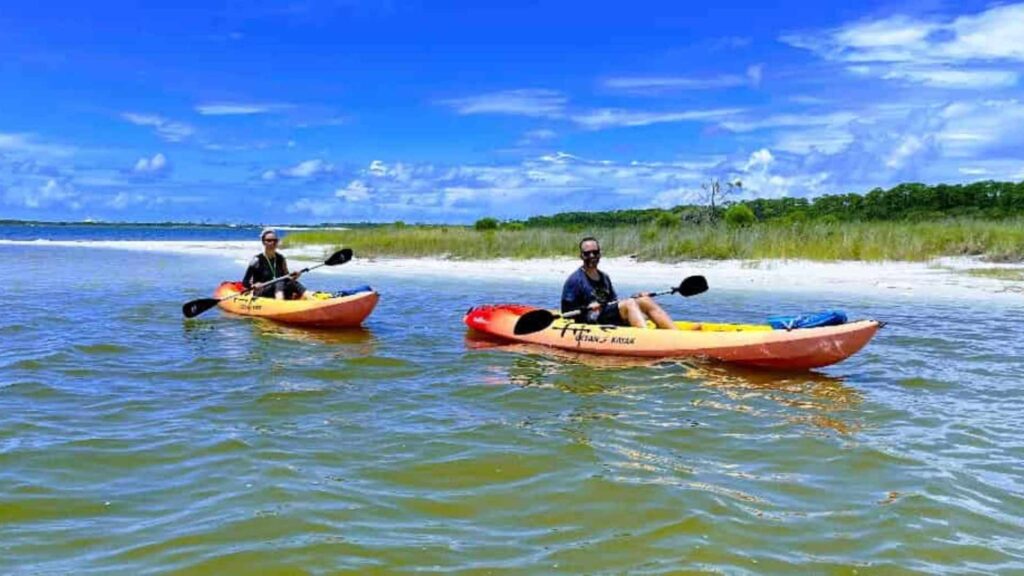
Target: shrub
[667, 220]
[486, 224]
[739, 215]
[514, 226]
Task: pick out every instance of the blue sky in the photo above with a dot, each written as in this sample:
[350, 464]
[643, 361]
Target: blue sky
[314, 111]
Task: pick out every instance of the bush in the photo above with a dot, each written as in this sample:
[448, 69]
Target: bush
[514, 226]
[667, 220]
[486, 224]
[739, 215]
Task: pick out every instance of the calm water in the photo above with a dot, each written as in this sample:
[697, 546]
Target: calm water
[133, 441]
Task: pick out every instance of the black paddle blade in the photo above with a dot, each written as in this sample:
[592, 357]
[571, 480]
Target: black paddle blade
[339, 257]
[197, 307]
[533, 321]
[692, 286]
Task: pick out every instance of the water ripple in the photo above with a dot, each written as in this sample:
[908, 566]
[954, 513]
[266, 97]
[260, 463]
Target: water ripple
[135, 442]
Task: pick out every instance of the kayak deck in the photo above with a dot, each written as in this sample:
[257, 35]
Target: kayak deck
[757, 345]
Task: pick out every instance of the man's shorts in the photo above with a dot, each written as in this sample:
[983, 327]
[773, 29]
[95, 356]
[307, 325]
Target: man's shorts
[609, 315]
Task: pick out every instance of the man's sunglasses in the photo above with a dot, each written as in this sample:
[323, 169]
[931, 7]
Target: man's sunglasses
[590, 253]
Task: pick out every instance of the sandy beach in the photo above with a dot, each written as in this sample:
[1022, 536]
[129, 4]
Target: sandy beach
[944, 278]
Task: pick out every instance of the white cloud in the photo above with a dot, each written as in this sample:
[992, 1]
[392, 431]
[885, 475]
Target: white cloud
[658, 84]
[425, 192]
[356, 191]
[49, 193]
[154, 165]
[972, 171]
[169, 130]
[654, 85]
[759, 159]
[826, 139]
[616, 118]
[993, 34]
[977, 129]
[895, 31]
[522, 102]
[123, 200]
[26, 143]
[967, 52]
[909, 147]
[238, 108]
[318, 208]
[306, 169]
[535, 137]
[789, 121]
[377, 168]
[947, 78]
[542, 134]
[755, 73]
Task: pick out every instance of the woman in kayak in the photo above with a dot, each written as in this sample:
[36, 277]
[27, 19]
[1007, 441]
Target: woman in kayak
[269, 265]
[591, 288]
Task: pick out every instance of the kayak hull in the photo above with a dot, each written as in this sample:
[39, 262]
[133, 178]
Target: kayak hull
[331, 312]
[753, 345]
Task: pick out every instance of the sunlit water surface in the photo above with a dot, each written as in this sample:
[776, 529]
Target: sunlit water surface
[133, 441]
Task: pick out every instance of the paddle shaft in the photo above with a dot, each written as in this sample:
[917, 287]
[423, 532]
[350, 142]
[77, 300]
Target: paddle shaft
[576, 313]
[276, 280]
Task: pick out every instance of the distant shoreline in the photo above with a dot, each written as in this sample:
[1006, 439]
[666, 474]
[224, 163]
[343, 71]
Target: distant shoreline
[956, 278]
[36, 223]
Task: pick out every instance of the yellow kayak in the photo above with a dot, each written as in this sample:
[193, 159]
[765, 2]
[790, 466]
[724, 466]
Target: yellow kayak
[322, 309]
[745, 344]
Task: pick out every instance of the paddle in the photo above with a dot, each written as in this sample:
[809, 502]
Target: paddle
[197, 307]
[537, 320]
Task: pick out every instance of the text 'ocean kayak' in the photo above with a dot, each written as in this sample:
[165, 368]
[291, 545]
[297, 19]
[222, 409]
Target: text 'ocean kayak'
[745, 344]
[322, 310]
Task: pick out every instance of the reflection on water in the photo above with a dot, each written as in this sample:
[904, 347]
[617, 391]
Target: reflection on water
[817, 399]
[810, 397]
[360, 339]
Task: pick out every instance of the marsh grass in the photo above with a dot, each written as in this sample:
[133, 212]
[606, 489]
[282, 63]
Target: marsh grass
[1012, 274]
[869, 241]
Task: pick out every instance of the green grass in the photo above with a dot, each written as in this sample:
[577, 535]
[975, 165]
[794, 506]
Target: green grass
[870, 241]
[1013, 274]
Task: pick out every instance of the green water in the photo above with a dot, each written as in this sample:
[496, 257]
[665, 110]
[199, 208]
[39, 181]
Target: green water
[134, 442]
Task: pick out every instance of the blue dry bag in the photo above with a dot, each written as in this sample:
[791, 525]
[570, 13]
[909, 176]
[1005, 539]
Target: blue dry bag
[356, 290]
[813, 320]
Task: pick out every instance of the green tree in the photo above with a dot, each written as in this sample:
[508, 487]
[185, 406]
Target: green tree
[486, 224]
[739, 215]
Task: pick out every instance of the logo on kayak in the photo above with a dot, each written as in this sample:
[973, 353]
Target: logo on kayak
[585, 333]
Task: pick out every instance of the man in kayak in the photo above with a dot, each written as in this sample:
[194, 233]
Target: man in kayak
[269, 265]
[591, 288]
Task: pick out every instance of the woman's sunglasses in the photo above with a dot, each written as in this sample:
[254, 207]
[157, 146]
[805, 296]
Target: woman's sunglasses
[270, 240]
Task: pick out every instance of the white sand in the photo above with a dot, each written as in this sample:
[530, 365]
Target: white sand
[944, 278]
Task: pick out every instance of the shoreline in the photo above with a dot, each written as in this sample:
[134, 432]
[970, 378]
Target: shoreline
[941, 278]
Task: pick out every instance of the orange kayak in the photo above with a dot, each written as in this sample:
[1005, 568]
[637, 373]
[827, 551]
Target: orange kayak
[757, 345]
[322, 309]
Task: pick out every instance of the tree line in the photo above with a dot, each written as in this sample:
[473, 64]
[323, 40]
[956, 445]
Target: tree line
[905, 202]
